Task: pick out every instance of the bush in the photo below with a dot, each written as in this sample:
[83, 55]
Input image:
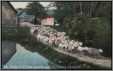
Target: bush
[23, 33]
[93, 32]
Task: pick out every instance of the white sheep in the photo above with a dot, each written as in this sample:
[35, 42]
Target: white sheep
[44, 39]
[100, 50]
[38, 37]
[80, 43]
[91, 51]
[75, 44]
[32, 30]
[82, 48]
[61, 45]
[94, 51]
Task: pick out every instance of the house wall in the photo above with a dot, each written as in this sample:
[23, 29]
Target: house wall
[26, 19]
[8, 14]
[8, 17]
[47, 21]
[8, 22]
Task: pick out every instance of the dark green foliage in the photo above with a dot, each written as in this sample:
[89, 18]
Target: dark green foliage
[89, 22]
[94, 32]
[23, 33]
[35, 8]
[78, 8]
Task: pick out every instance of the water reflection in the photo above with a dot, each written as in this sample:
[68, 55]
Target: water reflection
[26, 59]
[36, 56]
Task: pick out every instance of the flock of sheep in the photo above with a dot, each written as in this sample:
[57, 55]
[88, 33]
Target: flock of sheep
[60, 40]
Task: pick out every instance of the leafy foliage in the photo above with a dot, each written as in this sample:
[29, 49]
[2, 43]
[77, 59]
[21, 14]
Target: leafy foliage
[36, 9]
[89, 22]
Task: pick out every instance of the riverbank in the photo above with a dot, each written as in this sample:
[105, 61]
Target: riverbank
[25, 59]
[60, 57]
[52, 53]
[101, 62]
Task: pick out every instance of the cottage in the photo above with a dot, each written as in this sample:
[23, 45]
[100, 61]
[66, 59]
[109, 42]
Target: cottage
[8, 14]
[8, 21]
[24, 17]
[47, 21]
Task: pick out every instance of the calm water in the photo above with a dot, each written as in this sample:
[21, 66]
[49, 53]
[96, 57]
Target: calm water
[25, 59]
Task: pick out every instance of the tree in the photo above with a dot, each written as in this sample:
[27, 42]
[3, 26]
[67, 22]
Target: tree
[36, 9]
[89, 22]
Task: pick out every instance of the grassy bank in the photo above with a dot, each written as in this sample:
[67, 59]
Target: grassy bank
[22, 36]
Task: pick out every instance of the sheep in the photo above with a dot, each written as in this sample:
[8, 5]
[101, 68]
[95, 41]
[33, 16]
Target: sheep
[71, 42]
[35, 33]
[51, 39]
[32, 30]
[70, 45]
[100, 50]
[70, 48]
[65, 44]
[61, 45]
[38, 37]
[75, 44]
[82, 48]
[90, 51]
[94, 51]
[80, 43]
[44, 39]
[57, 41]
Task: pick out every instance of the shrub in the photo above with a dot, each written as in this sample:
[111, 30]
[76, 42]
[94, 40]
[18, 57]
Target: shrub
[93, 32]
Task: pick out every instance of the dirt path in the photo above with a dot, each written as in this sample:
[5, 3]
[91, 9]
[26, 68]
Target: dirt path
[98, 62]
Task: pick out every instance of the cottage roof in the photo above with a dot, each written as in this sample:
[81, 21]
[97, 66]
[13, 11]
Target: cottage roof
[24, 15]
[8, 4]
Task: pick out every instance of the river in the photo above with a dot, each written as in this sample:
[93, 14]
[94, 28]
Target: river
[37, 56]
[25, 59]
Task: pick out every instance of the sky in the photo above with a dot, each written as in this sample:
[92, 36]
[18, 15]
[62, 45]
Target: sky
[24, 4]
[19, 4]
